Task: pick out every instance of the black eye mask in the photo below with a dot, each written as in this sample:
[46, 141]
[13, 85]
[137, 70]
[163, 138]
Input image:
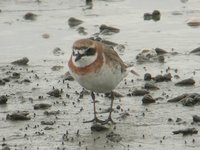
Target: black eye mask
[90, 52]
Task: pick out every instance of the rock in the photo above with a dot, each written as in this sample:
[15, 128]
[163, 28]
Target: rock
[162, 78]
[30, 16]
[147, 77]
[7, 79]
[155, 15]
[188, 101]
[15, 75]
[98, 127]
[81, 30]
[68, 76]
[116, 94]
[72, 22]
[195, 21]
[57, 51]
[20, 115]
[57, 68]
[47, 123]
[196, 51]
[41, 106]
[48, 113]
[147, 16]
[151, 86]
[104, 29]
[188, 131]
[160, 51]
[55, 93]
[123, 115]
[114, 137]
[146, 55]
[196, 118]
[2, 82]
[22, 61]
[3, 99]
[147, 99]
[139, 92]
[45, 35]
[5, 147]
[178, 98]
[186, 82]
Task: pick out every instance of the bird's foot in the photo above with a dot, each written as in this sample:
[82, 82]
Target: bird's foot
[108, 120]
[95, 120]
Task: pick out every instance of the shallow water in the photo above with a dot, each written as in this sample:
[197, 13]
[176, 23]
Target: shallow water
[20, 38]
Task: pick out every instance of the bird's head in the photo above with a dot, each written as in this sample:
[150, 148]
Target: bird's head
[84, 52]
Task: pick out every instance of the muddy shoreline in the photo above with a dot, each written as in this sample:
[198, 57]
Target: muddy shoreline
[42, 109]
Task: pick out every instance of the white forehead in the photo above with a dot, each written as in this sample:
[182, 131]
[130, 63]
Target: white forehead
[80, 51]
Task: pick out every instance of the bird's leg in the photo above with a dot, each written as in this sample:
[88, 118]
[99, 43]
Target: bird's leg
[111, 109]
[95, 112]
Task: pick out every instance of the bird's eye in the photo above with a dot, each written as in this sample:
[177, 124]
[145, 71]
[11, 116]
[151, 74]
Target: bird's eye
[90, 51]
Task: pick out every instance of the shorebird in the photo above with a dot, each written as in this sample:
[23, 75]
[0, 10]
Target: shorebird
[96, 67]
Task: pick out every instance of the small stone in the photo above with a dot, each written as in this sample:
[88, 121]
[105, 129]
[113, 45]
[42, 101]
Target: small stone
[186, 82]
[108, 29]
[196, 51]
[147, 99]
[3, 99]
[20, 115]
[30, 16]
[178, 98]
[114, 137]
[150, 86]
[196, 118]
[147, 77]
[57, 68]
[98, 127]
[22, 61]
[45, 35]
[41, 106]
[72, 22]
[195, 21]
[55, 93]
[57, 51]
[2, 82]
[160, 51]
[47, 122]
[188, 131]
[140, 92]
[156, 15]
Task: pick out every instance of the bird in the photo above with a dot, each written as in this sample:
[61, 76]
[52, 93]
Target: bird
[98, 68]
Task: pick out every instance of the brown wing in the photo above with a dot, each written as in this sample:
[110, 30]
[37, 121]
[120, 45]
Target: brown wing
[113, 58]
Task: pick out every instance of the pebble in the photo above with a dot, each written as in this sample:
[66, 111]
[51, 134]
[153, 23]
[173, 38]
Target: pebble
[104, 29]
[161, 78]
[196, 51]
[20, 115]
[147, 99]
[99, 127]
[188, 131]
[155, 15]
[41, 106]
[139, 92]
[186, 82]
[196, 118]
[22, 61]
[147, 77]
[47, 122]
[3, 99]
[30, 16]
[150, 86]
[55, 93]
[114, 137]
[72, 22]
[57, 51]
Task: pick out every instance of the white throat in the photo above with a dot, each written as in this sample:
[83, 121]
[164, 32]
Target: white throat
[84, 61]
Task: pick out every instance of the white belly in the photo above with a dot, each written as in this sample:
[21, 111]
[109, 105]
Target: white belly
[103, 81]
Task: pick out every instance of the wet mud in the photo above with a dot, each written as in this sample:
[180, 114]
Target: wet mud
[42, 107]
